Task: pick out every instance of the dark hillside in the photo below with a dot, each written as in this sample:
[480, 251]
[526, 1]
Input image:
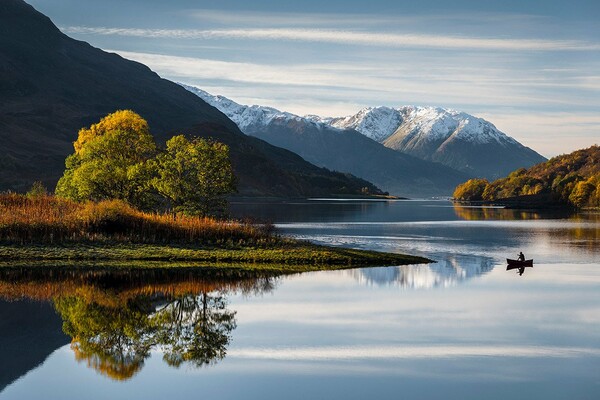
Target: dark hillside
[52, 85]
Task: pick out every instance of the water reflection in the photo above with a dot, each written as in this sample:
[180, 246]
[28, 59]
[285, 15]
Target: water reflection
[578, 231]
[483, 213]
[306, 210]
[447, 272]
[116, 318]
[520, 270]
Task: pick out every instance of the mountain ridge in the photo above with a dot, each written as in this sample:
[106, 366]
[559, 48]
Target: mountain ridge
[453, 138]
[341, 150]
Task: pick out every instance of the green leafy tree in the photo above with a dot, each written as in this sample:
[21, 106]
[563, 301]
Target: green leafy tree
[111, 161]
[194, 176]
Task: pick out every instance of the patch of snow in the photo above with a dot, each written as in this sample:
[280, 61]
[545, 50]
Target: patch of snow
[248, 118]
[378, 123]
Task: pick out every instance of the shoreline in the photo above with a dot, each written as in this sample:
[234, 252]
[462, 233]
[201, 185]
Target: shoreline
[290, 257]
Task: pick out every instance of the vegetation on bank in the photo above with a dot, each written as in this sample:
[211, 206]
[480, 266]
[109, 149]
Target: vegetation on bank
[117, 158]
[572, 179]
[51, 220]
[121, 199]
[55, 231]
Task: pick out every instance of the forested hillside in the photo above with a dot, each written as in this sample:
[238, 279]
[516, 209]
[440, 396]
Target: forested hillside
[570, 179]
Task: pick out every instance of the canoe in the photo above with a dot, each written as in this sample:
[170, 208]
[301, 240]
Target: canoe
[517, 263]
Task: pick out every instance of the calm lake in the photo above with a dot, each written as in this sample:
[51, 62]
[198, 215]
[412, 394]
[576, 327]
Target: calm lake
[463, 327]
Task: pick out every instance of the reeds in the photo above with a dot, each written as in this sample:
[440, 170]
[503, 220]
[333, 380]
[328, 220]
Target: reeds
[48, 219]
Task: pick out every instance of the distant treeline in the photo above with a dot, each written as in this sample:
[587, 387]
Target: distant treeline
[571, 179]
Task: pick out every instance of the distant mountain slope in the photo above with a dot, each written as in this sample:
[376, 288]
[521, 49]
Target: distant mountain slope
[342, 150]
[456, 139]
[52, 85]
[572, 179]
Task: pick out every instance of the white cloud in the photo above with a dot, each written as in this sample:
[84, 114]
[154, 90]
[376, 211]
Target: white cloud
[550, 133]
[433, 86]
[513, 100]
[348, 37]
[310, 19]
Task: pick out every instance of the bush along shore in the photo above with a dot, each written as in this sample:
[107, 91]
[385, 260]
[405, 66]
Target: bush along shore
[49, 231]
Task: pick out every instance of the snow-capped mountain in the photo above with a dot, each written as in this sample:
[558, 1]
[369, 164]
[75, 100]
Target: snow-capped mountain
[429, 123]
[457, 139]
[460, 141]
[344, 150]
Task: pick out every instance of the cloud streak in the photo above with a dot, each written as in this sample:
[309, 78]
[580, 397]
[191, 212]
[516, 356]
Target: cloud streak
[347, 37]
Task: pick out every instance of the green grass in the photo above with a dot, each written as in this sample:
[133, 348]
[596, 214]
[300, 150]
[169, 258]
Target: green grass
[289, 257]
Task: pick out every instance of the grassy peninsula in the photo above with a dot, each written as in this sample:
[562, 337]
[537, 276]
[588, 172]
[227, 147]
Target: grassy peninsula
[50, 231]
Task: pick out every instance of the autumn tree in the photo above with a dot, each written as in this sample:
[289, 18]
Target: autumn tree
[581, 195]
[111, 161]
[194, 176]
[471, 190]
[117, 158]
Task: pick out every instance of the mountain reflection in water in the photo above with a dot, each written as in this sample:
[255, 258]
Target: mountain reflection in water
[115, 318]
[444, 273]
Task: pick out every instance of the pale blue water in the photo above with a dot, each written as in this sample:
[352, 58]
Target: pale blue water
[461, 328]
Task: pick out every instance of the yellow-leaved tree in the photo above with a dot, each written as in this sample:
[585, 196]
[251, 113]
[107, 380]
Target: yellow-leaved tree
[117, 158]
[111, 161]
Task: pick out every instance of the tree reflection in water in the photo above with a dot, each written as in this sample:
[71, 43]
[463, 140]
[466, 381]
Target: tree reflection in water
[194, 329]
[116, 319]
[113, 341]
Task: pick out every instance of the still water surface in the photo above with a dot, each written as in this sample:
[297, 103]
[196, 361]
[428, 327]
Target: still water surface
[463, 327]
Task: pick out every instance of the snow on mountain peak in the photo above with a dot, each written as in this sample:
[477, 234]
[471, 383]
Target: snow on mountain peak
[375, 122]
[430, 124]
[245, 117]
[415, 123]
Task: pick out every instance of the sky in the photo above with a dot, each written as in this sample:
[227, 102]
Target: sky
[530, 67]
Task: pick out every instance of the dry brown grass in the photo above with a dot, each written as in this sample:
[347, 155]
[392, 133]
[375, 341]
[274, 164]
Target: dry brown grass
[48, 219]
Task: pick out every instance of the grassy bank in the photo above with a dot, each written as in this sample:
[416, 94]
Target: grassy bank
[49, 231]
[290, 257]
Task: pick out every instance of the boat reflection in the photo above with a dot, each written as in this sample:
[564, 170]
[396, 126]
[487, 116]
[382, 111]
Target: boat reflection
[446, 272]
[116, 318]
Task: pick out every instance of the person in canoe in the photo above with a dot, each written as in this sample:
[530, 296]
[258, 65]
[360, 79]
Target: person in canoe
[521, 256]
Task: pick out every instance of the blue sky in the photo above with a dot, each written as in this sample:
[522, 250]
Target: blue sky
[530, 67]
